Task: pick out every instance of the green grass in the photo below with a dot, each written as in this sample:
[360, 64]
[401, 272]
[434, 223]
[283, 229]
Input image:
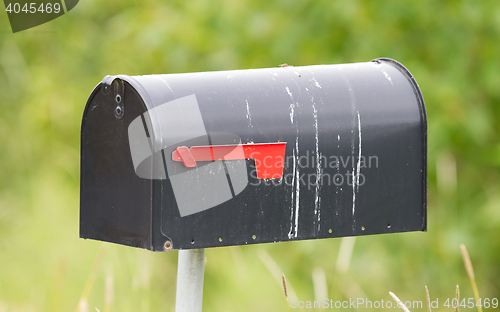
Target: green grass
[46, 75]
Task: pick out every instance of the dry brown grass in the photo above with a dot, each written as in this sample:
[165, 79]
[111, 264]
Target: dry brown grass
[285, 289]
[470, 273]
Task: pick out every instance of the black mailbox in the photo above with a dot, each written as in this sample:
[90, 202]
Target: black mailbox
[198, 160]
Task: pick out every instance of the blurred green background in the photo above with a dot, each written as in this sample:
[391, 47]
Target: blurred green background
[47, 73]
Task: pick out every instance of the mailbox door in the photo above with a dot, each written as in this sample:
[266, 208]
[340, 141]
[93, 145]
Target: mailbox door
[115, 203]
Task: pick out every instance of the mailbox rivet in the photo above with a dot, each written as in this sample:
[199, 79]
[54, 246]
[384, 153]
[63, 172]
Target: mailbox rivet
[168, 245]
[119, 112]
[118, 98]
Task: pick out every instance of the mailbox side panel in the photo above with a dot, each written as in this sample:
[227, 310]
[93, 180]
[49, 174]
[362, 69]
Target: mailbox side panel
[115, 204]
[354, 163]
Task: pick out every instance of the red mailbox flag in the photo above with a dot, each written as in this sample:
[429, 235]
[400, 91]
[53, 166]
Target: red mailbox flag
[269, 157]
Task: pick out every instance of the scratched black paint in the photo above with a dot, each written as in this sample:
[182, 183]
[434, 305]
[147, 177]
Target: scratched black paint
[320, 109]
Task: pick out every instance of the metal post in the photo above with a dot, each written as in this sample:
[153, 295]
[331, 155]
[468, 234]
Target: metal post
[190, 270]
